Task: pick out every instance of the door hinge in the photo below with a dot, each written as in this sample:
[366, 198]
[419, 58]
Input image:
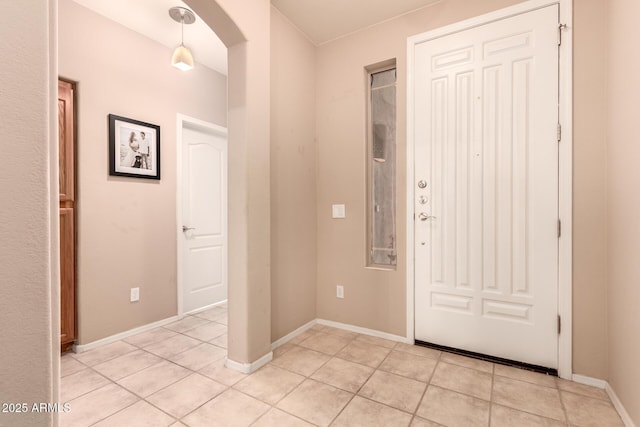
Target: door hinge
[559, 324]
[561, 27]
[559, 228]
[559, 132]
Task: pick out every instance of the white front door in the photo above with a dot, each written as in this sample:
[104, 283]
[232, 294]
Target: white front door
[486, 188]
[204, 216]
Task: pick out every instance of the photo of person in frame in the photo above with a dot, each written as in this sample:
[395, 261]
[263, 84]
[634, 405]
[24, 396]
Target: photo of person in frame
[132, 156]
[134, 148]
[144, 150]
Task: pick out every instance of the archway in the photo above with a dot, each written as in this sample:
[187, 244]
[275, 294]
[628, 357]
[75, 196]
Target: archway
[245, 30]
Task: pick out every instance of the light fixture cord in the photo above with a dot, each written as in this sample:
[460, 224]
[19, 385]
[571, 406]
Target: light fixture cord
[182, 26]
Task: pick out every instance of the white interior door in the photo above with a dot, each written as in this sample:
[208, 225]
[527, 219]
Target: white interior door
[486, 155]
[204, 216]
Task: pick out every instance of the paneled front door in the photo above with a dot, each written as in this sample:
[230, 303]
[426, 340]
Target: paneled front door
[486, 188]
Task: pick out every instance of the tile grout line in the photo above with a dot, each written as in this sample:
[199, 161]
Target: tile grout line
[92, 390]
[412, 414]
[139, 398]
[305, 377]
[110, 415]
[335, 356]
[200, 406]
[177, 419]
[564, 409]
[323, 365]
[136, 348]
[524, 411]
[391, 350]
[274, 405]
[566, 418]
[566, 421]
[493, 378]
[353, 395]
[424, 393]
[462, 392]
[378, 368]
[228, 387]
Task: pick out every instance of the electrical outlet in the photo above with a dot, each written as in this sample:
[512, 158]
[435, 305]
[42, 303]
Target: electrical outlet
[340, 291]
[135, 294]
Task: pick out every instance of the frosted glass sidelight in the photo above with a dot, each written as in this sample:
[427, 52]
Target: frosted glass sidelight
[381, 165]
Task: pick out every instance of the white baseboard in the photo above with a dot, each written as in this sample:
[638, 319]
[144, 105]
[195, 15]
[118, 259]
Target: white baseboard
[247, 368]
[81, 348]
[364, 331]
[205, 308]
[293, 334]
[626, 418]
[595, 382]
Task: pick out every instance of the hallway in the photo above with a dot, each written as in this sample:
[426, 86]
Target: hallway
[174, 376]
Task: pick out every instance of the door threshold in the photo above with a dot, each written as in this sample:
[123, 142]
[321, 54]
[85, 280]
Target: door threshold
[492, 359]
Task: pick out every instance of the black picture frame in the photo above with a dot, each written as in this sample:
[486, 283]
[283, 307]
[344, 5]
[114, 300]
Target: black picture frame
[134, 148]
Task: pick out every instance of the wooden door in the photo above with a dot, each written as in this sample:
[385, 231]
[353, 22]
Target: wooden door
[486, 189]
[67, 177]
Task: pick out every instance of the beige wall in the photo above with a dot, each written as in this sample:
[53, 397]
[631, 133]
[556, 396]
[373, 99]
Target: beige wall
[28, 307]
[373, 299]
[121, 220]
[589, 186]
[623, 152]
[293, 178]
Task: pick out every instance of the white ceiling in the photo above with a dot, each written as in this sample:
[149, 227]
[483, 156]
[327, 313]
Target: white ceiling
[325, 20]
[320, 20]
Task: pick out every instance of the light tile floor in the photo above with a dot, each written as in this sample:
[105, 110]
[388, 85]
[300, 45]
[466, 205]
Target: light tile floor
[175, 376]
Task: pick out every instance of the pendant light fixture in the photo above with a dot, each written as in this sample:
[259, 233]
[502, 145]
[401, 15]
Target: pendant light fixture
[182, 57]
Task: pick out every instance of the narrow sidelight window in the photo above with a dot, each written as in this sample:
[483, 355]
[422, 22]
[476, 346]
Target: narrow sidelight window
[381, 169]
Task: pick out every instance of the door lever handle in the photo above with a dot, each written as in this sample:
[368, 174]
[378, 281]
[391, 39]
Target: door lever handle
[423, 216]
[185, 228]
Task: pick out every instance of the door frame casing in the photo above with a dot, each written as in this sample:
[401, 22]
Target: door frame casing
[182, 122]
[565, 164]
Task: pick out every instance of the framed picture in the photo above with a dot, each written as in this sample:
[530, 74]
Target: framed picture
[134, 148]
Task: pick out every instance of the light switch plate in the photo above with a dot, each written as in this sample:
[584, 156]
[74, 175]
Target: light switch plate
[338, 211]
